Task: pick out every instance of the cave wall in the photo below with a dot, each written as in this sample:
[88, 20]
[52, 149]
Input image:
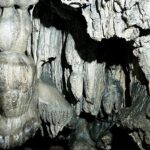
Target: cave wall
[120, 28]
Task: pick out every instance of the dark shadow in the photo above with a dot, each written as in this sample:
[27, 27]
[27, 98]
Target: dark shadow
[143, 32]
[68, 94]
[113, 51]
[45, 142]
[87, 116]
[122, 141]
[65, 18]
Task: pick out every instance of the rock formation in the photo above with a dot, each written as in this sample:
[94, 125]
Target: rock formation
[96, 53]
[102, 50]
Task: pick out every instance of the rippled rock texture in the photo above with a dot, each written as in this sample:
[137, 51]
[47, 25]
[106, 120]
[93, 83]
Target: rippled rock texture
[97, 53]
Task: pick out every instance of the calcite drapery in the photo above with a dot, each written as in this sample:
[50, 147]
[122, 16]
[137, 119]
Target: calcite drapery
[24, 98]
[19, 114]
[53, 108]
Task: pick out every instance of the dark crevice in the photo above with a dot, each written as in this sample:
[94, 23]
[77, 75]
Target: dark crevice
[107, 0]
[112, 51]
[143, 32]
[45, 142]
[16, 7]
[68, 94]
[117, 51]
[64, 63]
[89, 118]
[125, 142]
[67, 19]
[128, 100]
[30, 8]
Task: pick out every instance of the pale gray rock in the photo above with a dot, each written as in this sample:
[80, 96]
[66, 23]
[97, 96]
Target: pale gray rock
[15, 28]
[93, 79]
[143, 54]
[108, 18]
[49, 44]
[20, 3]
[135, 117]
[112, 97]
[84, 84]
[77, 3]
[19, 119]
[24, 99]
